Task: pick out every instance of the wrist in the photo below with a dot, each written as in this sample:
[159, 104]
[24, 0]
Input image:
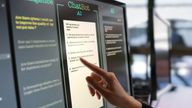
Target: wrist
[130, 102]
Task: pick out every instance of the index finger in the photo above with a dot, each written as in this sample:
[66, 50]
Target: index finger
[95, 69]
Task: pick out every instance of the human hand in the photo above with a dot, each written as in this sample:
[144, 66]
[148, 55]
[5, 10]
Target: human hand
[102, 83]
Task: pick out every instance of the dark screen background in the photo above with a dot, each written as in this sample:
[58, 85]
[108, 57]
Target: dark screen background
[38, 65]
[117, 62]
[113, 16]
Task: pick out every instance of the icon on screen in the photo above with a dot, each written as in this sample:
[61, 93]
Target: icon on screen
[112, 11]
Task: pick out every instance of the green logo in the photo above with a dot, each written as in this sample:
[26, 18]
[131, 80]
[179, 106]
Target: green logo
[48, 2]
[79, 13]
[78, 6]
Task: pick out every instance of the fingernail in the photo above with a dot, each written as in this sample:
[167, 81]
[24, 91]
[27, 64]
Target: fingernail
[81, 59]
[88, 79]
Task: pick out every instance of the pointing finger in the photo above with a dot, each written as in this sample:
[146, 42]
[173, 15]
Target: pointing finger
[95, 69]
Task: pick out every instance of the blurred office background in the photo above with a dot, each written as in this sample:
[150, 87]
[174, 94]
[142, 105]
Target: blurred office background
[178, 13]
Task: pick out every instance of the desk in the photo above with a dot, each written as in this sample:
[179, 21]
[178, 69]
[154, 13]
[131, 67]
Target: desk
[180, 98]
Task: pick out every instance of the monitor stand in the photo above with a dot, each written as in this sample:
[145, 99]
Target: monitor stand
[168, 88]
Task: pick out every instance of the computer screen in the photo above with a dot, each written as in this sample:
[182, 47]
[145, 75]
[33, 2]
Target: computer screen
[36, 53]
[114, 33]
[41, 42]
[162, 47]
[79, 32]
[106, 30]
[114, 40]
[7, 88]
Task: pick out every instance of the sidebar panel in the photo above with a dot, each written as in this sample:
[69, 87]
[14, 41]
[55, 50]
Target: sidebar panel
[115, 43]
[37, 53]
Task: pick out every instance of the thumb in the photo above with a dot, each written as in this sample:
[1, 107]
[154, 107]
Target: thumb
[104, 92]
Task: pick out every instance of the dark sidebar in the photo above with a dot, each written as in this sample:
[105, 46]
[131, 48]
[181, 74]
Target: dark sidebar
[7, 88]
[115, 43]
[37, 57]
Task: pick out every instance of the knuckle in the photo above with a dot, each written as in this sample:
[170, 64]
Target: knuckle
[107, 95]
[112, 77]
[113, 74]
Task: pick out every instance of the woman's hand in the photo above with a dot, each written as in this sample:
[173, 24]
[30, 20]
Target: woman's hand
[102, 83]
